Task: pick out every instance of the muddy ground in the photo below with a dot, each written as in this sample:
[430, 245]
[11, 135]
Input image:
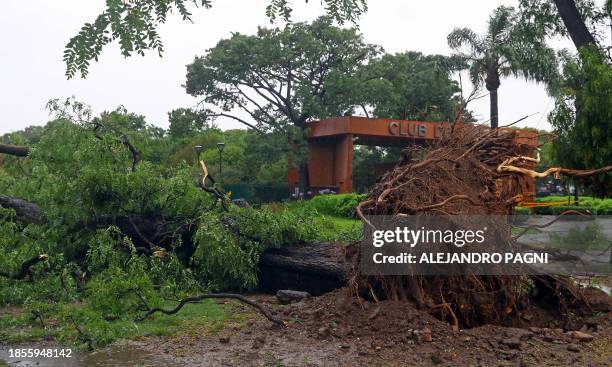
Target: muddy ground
[333, 330]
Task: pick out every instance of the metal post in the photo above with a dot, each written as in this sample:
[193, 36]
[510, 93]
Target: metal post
[220, 146]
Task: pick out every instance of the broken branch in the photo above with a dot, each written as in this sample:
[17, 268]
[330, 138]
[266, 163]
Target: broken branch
[258, 306]
[24, 270]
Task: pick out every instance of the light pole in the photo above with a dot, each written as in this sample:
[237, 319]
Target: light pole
[198, 150]
[220, 146]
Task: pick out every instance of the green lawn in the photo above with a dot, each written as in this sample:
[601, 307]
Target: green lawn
[18, 325]
[340, 229]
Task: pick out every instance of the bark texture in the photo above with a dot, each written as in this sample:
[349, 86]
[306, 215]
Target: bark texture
[27, 213]
[315, 268]
[579, 33]
[15, 150]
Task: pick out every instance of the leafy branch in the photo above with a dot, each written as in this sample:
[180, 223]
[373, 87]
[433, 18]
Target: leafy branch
[134, 24]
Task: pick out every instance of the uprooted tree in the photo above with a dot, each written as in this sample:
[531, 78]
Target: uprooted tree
[471, 171]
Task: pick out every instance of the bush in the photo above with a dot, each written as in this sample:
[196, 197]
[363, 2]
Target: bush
[558, 209]
[340, 205]
[593, 205]
[521, 211]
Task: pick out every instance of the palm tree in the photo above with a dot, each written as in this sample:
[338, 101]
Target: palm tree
[508, 48]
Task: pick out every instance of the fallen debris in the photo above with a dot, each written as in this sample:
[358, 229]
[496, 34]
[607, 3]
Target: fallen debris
[258, 306]
[287, 296]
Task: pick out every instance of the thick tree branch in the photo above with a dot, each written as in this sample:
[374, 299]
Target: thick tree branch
[135, 153]
[26, 212]
[16, 150]
[239, 120]
[258, 306]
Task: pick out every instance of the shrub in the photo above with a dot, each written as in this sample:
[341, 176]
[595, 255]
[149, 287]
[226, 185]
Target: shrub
[340, 205]
[521, 211]
[585, 203]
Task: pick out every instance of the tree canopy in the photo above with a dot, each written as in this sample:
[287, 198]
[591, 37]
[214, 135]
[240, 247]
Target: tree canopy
[583, 21]
[282, 76]
[134, 24]
[508, 48]
[412, 86]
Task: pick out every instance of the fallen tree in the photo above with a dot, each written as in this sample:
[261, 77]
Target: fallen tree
[470, 171]
[316, 268]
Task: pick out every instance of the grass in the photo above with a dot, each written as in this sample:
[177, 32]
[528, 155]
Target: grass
[340, 229]
[19, 326]
[330, 227]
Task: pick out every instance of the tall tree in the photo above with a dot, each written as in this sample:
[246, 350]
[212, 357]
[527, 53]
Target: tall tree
[508, 48]
[583, 21]
[282, 78]
[412, 86]
[134, 24]
[582, 118]
[583, 109]
[574, 23]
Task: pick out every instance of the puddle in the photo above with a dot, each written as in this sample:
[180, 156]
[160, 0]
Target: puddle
[121, 356]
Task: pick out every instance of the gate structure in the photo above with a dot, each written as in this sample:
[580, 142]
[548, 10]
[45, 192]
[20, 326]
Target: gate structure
[330, 143]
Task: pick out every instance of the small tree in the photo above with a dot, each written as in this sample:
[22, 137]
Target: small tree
[508, 48]
[283, 78]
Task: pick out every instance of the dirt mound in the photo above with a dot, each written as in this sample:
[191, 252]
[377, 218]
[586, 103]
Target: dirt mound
[338, 314]
[381, 329]
[336, 330]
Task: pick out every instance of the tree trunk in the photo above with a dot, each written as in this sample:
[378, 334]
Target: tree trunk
[25, 212]
[580, 34]
[492, 83]
[303, 184]
[15, 150]
[315, 268]
[494, 108]
[576, 202]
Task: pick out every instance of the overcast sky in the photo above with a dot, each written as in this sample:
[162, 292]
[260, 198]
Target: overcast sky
[34, 34]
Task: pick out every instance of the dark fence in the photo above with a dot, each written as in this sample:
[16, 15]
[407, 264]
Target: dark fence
[258, 193]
